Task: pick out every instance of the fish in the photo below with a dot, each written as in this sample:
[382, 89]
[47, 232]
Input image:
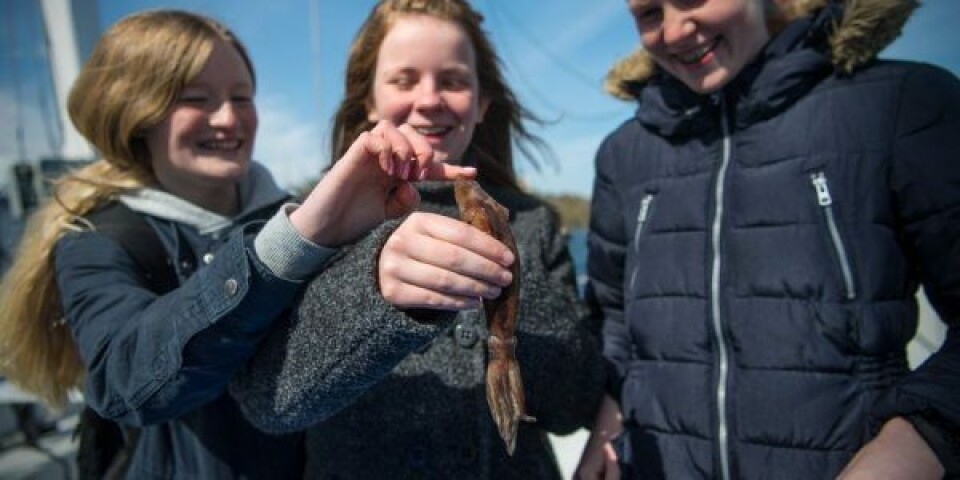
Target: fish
[505, 395]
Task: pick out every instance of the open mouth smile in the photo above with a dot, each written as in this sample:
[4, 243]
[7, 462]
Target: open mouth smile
[221, 145]
[432, 131]
[697, 56]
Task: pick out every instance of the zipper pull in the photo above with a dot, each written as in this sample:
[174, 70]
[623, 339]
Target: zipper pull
[641, 219]
[644, 208]
[823, 192]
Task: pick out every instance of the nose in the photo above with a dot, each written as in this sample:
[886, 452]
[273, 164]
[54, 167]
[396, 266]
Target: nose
[428, 96]
[225, 116]
[677, 26]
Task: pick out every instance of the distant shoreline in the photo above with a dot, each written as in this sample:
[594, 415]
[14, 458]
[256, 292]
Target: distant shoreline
[574, 210]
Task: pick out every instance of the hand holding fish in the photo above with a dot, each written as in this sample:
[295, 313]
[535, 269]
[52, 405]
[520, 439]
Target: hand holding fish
[433, 261]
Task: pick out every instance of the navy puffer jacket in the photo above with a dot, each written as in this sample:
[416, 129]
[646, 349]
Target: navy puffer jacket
[756, 255]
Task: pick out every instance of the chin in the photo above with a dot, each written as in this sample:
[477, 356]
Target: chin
[234, 170]
[707, 84]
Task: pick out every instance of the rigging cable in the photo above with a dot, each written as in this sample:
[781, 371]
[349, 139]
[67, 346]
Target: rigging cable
[15, 53]
[49, 109]
[593, 85]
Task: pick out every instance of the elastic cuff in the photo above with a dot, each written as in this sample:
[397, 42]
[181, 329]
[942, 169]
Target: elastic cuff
[287, 254]
[944, 443]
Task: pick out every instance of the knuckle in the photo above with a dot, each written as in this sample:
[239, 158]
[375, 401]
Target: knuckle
[458, 259]
[402, 152]
[389, 289]
[388, 272]
[446, 281]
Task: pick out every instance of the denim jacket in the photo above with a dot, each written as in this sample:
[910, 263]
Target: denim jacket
[163, 362]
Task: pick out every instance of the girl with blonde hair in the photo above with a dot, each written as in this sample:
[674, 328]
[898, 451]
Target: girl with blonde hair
[758, 233]
[167, 100]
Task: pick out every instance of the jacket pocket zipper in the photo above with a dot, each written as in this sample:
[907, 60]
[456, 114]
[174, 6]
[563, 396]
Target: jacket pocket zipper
[642, 216]
[825, 200]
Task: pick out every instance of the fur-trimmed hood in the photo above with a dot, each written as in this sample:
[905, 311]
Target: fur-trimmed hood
[861, 29]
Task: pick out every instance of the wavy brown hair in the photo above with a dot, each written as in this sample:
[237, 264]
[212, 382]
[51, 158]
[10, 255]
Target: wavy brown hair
[127, 86]
[503, 124]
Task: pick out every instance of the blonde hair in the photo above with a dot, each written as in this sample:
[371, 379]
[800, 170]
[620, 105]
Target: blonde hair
[503, 122]
[127, 86]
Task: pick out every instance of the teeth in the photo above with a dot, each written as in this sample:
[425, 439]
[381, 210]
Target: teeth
[696, 55]
[221, 144]
[430, 130]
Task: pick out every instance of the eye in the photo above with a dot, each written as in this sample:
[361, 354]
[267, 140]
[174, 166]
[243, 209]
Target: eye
[192, 98]
[245, 98]
[456, 82]
[193, 95]
[402, 81]
[647, 17]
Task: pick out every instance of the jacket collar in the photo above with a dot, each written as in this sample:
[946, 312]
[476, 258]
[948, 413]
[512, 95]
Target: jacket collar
[257, 191]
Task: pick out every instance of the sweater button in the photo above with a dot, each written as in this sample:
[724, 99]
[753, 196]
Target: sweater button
[231, 286]
[465, 335]
[207, 258]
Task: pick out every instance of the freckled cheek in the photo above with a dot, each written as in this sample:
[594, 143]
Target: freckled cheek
[395, 110]
[464, 107]
[181, 130]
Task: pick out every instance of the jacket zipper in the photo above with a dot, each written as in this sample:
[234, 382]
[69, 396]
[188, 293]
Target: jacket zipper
[825, 200]
[723, 362]
[641, 220]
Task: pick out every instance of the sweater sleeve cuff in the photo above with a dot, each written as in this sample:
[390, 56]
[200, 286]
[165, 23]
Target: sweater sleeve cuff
[285, 252]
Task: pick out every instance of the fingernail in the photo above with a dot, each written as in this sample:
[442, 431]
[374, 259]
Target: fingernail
[492, 292]
[423, 174]
[506, 278]
[406, 171]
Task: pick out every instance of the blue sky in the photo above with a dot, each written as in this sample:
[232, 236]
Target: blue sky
[555, 59]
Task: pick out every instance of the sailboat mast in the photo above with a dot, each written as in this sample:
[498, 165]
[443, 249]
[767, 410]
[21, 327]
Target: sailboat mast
[71, 27]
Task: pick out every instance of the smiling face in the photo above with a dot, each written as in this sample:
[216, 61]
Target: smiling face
[704, 43]
[426, 77]
[204, 144]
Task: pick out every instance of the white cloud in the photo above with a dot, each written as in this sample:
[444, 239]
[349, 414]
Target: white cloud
[293, 148]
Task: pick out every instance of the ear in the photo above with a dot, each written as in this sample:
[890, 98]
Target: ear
[484, 105]
[372, 115]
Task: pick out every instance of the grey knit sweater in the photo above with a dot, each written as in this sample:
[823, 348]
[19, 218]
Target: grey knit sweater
[402, 395]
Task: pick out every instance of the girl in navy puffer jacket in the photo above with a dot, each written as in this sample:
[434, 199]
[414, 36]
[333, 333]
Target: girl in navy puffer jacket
[758, 234]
